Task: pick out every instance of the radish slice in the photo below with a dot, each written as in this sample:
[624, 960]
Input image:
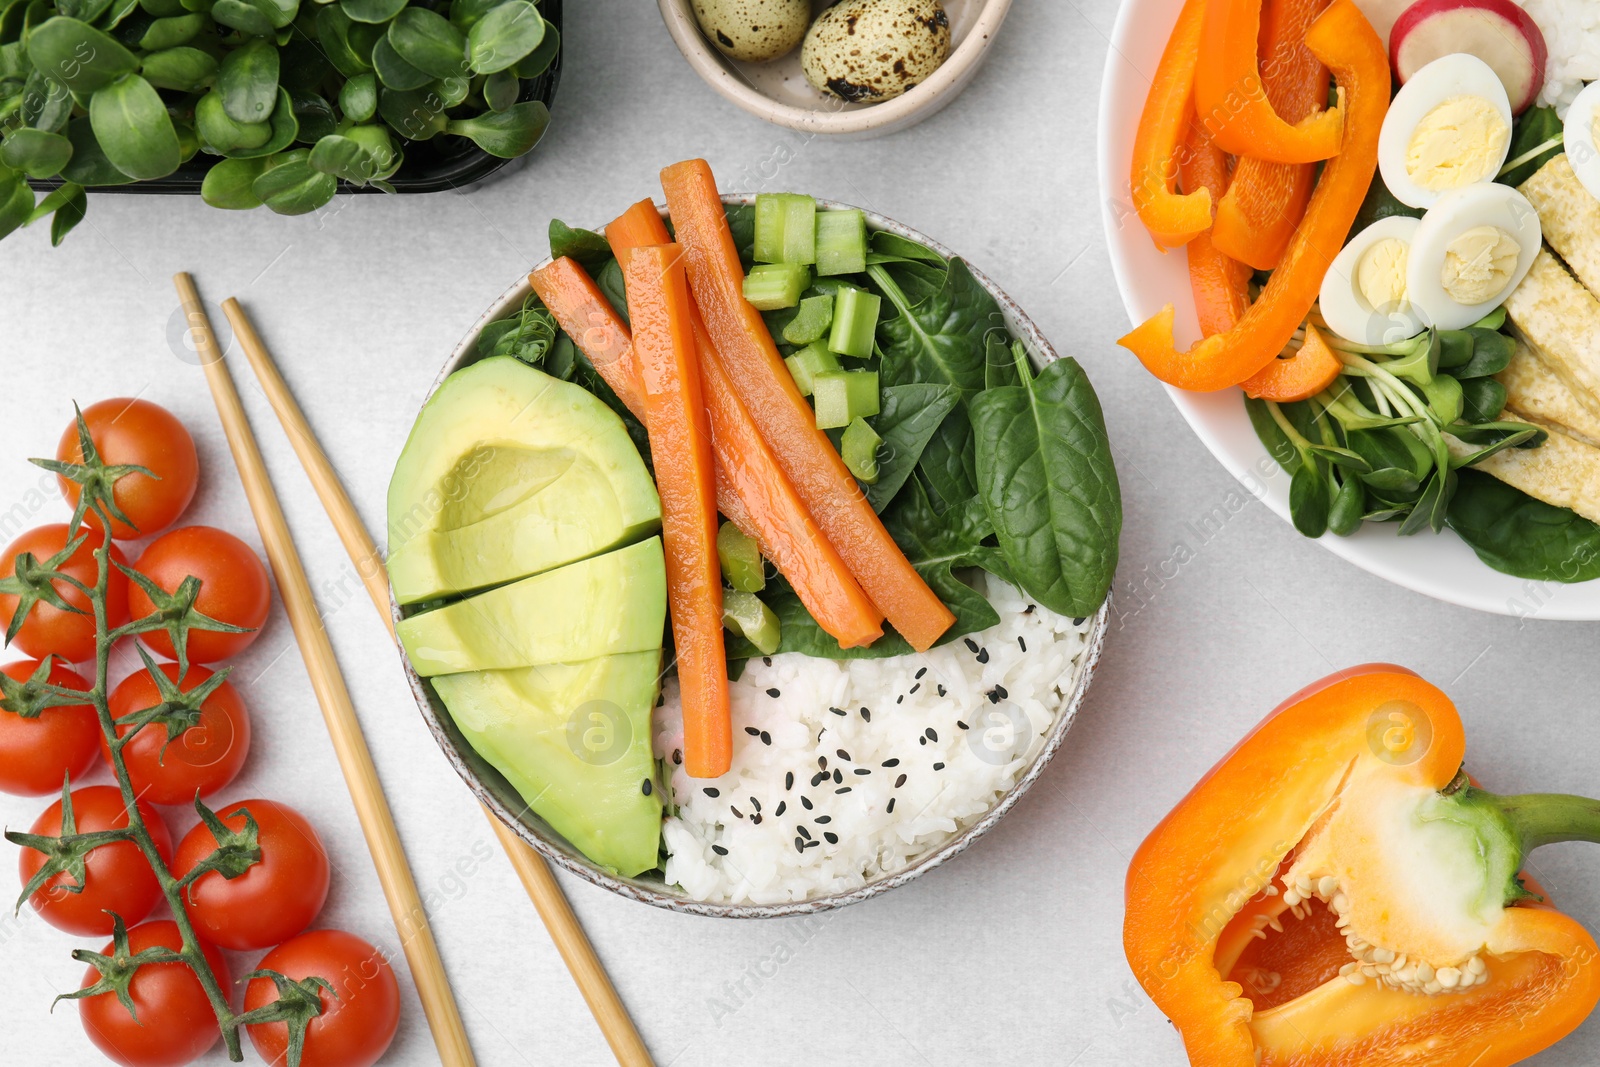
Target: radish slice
[1496, 31]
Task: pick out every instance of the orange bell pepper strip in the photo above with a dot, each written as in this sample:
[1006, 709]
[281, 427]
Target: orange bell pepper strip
[1265, 201]
[752, 490]
[669, 367]
[1173, 218]
[1232, 99]
[1221, 285]
[1336, 892]
[1311, 369]
[1343, 39]
[786, 421]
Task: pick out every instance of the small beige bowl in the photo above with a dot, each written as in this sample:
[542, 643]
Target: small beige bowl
[779, 92]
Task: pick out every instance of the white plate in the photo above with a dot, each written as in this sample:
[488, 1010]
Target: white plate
[1440, 566]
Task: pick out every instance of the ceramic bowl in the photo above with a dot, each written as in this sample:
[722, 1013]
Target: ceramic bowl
[501, 798]
[779, 93]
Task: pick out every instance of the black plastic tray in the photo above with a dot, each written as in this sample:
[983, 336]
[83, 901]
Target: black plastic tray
[430, 166]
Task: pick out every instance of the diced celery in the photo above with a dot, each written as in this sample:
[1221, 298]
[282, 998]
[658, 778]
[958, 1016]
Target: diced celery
[841, 396]
[742, 567]
[812, 321]
[770, 286]
[786, 228]
[859, 449]
[855, 322]
[810, 361]
[841, 242]
[745, 615]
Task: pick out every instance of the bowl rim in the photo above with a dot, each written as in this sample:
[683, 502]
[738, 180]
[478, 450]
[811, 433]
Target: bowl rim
[531, 829]
[714, 71]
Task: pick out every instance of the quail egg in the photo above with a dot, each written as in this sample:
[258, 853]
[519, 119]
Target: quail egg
[864, 51]
[755, 31]
[1471, 249]
[1364, 296]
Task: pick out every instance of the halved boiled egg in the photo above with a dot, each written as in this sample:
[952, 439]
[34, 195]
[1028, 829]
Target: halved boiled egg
[1448, 127]
[1580, 137]
[1364, 296]
[1471, 249]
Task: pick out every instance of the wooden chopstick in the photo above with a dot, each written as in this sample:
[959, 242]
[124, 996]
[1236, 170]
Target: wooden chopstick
[355, 760]
[537, 878]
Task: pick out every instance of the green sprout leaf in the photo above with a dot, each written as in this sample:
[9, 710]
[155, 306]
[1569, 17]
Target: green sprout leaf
[428, 41]
[358, 99]
[230, 184]
[295, 187]
[375, 12]
[248, 82]
[77, 55]
[507, 134]
[504, 35]
[36, 153]
[132, 125]
[184, 69]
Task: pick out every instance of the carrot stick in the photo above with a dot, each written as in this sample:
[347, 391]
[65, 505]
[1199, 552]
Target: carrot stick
[586, 316]
[664, 345]
[786, 421]
[752, 490]
[1221, 285]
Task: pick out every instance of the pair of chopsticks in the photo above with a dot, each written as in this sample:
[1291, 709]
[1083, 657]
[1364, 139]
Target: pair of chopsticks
[361, 777]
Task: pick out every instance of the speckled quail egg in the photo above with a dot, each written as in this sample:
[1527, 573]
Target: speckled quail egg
[864, 51]
[756, 31]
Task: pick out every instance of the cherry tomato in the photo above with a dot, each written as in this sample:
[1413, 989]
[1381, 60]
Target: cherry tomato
[37, 754]
[176, 1023]
[355, 1028]
[273, 900]
[47, 628]
[116, 878]
[204, 757]
[140, 434]
[233, 588]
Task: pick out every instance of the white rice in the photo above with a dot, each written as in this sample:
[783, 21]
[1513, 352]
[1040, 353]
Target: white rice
[963, 721]
[1572, 33]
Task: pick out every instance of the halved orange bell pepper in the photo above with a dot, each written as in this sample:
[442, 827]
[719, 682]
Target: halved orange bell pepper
[1336, 892]
[1265, 201]
[1343, 39]
[1173, 218]
[1221, 285]
[1311, 369]
[1232, 99]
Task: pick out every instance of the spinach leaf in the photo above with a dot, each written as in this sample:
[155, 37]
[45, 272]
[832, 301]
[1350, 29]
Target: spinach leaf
[893, 246]
[1049, 486]
[742, 221]
[1537, 126]
[943, 339]
[949, 463]
[1514, 533]
[911, 415]
[588, 248]
[611, 286]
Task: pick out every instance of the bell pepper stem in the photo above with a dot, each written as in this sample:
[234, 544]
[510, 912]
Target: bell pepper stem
[1548, 818]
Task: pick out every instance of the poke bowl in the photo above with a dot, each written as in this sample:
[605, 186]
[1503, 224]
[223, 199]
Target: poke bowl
[807, 753]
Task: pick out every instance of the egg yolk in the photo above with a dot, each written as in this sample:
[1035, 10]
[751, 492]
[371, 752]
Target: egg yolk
[1459, 142]
[1381, 275]
[1478, 264]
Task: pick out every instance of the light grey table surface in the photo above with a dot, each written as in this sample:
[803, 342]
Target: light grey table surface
[1009, 955]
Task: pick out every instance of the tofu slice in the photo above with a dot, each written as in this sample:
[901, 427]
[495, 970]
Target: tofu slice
[1560, 319]
[1569, 216]
[1535, 393]
[1563, 471]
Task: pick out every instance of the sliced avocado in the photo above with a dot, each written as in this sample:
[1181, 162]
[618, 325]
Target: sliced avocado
[597, 607]
[510, 472]
[574, 740]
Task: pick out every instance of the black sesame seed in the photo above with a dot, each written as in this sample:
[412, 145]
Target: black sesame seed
[719, 850]
[1021, 643]
[942, 691]
[922, 740]
[713, 792]
[805, 802]
[866, 715]
[1001, 691]
[831, 838]
[837, 711]
[819, 778]
[752, 731]
[893, 762]
[755, 820]
[916, 687]
[778, 812]
[812, 844]
[921, 671]
[930, 734]
[983, 656]
[972, 646]
[901, 699]
[900, 781]
[1029, 609]
[823, 820]
[938, 766]
[805, 833]
[677, 757]
[842, 754]
[838, 776]
[842, 790]
[788, 781]
[767, 660]
[774, 693]
[799, 845]
[890, 809]
[647, 788]
[754, 803]
[962, 725]
[737, 814]
[822, 762]
[1079, 621]
[863, 770]
[766, 738]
